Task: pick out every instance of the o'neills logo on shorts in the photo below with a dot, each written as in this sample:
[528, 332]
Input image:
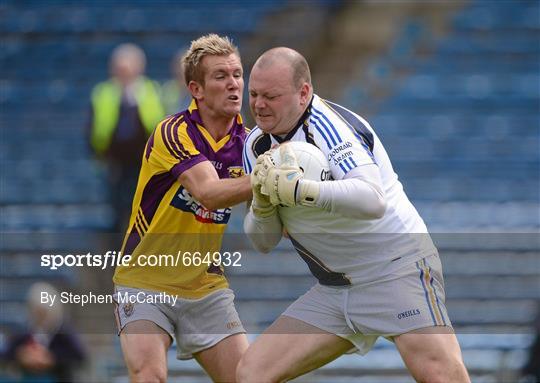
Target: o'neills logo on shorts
[408, 313]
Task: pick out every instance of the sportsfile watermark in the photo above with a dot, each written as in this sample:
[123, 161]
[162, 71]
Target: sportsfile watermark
[490, 279]
[125, 297]
[113, 259]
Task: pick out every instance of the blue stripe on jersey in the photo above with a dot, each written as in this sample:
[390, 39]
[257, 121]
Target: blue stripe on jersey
[343, 168]
[363, 143]
[317, 112]
[321, 124]
[321, 132]
[369, 151]
[356, 124]
[348, 161]
[354, 163]
[346, 165]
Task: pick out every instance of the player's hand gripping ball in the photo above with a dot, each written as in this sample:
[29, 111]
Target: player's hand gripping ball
[291, 176]
[281, 182]
[264, 163]
[261, 205]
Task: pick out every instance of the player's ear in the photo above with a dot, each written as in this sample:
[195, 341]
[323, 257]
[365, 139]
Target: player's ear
[304, 93]
[196, 90]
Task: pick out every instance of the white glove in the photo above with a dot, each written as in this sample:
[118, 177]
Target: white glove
[264, 163]
[285, 184]
[261, 205]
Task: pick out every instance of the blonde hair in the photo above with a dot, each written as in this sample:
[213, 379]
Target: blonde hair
[208, 45]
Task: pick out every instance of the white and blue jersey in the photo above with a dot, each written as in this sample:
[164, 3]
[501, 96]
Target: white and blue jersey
[342, 250]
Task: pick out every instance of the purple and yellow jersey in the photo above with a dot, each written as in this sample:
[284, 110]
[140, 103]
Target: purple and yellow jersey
[167, 220]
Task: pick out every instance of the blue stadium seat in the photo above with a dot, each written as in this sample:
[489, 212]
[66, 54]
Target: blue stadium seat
[13, 314]
[509, 45]
[505, 16]
[53, 218]
[491, 312]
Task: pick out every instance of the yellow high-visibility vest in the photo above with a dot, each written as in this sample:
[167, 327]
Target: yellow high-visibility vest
[106, 98]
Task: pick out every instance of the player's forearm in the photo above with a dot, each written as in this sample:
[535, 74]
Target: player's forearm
[264, 233]
[360, 196]
[222, 193]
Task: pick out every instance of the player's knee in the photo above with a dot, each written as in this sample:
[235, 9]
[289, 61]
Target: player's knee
[430, 373]
[149, 373]
[244, 370]
[250, 369]
[442, 369]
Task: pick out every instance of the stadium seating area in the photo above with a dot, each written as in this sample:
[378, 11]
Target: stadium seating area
[52, 54]
[461, 126]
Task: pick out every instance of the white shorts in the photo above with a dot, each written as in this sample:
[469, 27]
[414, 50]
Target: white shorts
[408, 300]
[196, 324]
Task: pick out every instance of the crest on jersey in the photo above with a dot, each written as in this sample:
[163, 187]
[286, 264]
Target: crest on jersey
[128, 309]
[235, 171]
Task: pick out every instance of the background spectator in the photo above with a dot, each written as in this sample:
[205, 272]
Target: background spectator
[125, 110]
[48, 350]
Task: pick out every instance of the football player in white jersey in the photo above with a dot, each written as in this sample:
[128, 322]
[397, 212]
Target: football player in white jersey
[378, 271]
